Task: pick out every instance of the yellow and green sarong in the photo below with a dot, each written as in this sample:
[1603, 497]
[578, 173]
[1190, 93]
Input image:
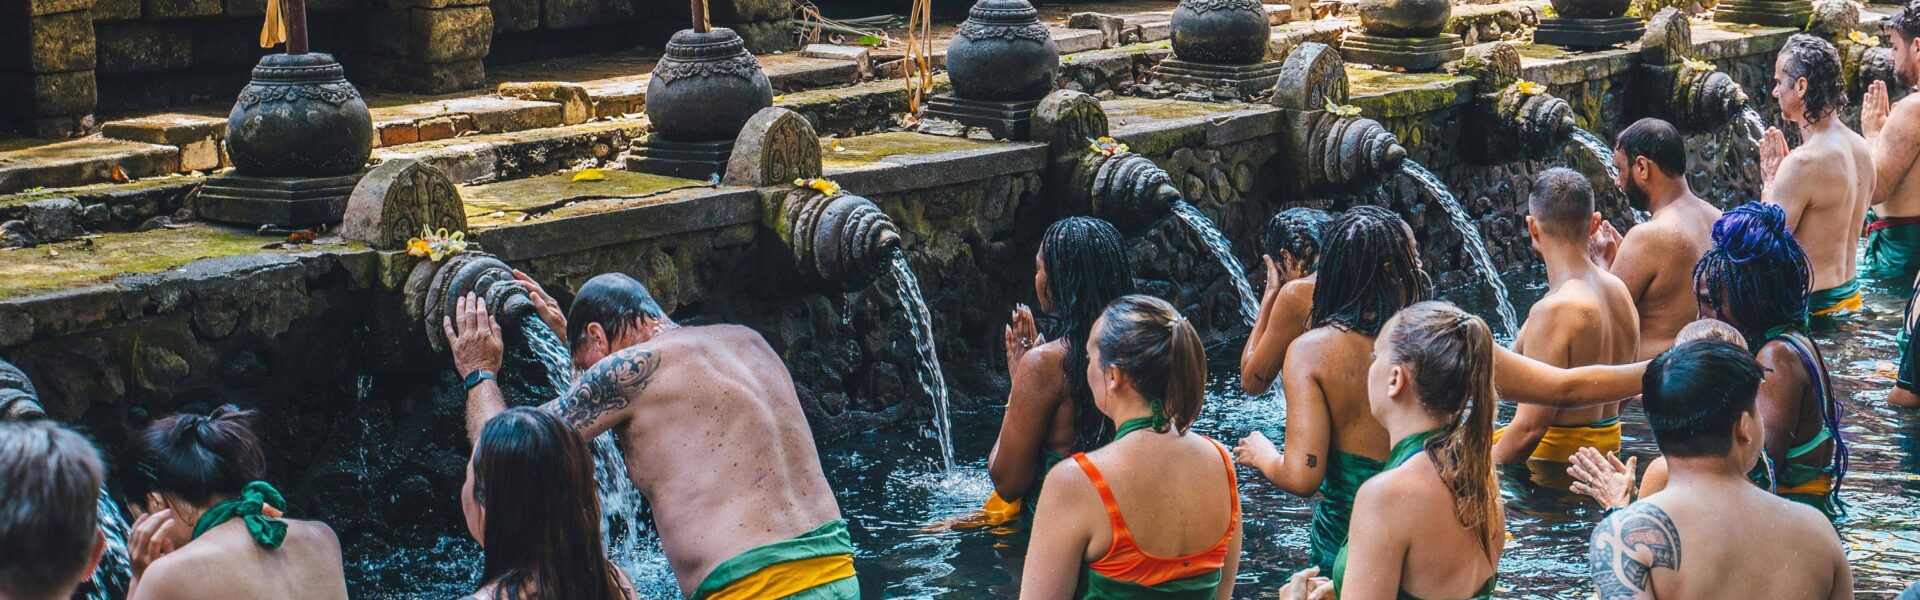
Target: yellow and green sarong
[1837, 301]
[818, 565]
[1560, 442]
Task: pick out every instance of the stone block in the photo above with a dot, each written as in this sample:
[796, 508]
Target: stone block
[534, 115]
[35, 8]
[182, 9]
[142, 47]
[170, 129]
[568, 14]
[394, 134]
[737, 11]
[444, 35]
[1072, 41]
[48, 44]
[203, 155]
[861, 56]
[514, 16]
[58, 127]
[766, 37]
[47, 94]
[55, 219]
[576, 106]
[437, 128]
[115, 10]
[435, 78]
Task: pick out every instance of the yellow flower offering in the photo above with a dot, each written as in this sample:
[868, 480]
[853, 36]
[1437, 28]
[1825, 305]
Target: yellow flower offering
[1700, 65]
[1343, 110]
[437, 245]
[825, 186]
[1530, 88]
[1108, 146]
[1864, 39]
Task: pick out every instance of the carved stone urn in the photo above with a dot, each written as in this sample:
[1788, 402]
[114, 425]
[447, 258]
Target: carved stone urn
[702, 92]
[1002, 62]
[1405, 34]
[299, 137]
[1220, 43]
[1589, 24]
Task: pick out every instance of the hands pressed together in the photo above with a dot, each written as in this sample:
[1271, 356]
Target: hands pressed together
[1307, 585]
[1604, 477]
[1874, 109]
[1773, 152]
[1021, 335]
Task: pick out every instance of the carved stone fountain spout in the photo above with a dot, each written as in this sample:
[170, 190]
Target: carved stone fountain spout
[1671, 85]
[1330, 152]
[18, 400]
[1510, 118]
[842, 242]
[702, 92]
[434, 288]
[1405, 34]
[1221, 44]
[1589, 24]
[299, 137]
[1002, 61]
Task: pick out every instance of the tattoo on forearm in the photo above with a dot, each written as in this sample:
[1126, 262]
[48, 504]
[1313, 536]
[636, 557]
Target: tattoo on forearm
[607, 387]
[1627, 547]
[1312, 461]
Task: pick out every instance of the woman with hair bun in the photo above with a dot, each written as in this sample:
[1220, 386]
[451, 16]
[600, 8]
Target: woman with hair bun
[209, 528]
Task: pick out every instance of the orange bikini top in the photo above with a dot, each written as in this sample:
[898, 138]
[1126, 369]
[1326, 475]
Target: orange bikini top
[1126, 561]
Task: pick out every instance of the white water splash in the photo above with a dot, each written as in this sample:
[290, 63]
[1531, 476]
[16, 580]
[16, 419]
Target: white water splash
[115, 572]
[933, 382]
[1222, 250]
[1599, 150]
[1756, 127]
[1476, 247]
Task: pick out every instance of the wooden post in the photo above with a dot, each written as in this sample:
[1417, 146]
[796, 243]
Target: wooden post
[700, 16]
[296, 26]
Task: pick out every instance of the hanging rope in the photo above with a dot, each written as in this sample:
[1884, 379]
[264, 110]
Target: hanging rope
[919, 54]
[274, 31]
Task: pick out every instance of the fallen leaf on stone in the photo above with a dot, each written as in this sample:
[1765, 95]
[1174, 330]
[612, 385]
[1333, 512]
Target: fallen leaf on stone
[589, 174]
[837, 147]
[780, 98]
[304, 236]
[52, 253]
[118, 175]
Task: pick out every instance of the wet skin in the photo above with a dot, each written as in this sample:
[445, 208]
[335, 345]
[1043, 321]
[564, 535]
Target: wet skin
[1655, 259]
[1285, 310]
[1893, 131]
[226, 563]
[1040, 407]
[1825, 185]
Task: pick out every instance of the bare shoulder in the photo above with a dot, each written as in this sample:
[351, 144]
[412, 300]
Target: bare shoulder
[1388, 496]
[1299, 290]
[316, 535]
[1317, 339]
[1573, 307]
[1050, 355]
[1068, 482]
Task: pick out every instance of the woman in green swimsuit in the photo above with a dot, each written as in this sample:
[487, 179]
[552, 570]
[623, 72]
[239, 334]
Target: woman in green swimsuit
[1430, 525]
[1369, 270]
[1756, 277]
[1081, 266]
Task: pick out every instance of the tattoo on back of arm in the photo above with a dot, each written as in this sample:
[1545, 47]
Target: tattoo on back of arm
[1627, 547]
[607, 387]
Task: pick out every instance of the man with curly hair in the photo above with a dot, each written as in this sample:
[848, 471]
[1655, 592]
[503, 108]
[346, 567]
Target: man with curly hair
[1825, 185]
[1893, 234]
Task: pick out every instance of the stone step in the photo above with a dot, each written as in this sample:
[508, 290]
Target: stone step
[28, 164]
[197, 136]
[504, 156]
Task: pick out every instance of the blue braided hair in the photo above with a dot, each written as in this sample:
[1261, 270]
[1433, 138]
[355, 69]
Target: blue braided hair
[1758, 278]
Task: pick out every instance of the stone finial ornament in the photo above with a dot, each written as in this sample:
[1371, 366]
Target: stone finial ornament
[775, 147]
[1312, 77]
[1691, 94]
[1002, 53]
[1330, 150]
[702, 93]
[397, 200]
[1668, 39]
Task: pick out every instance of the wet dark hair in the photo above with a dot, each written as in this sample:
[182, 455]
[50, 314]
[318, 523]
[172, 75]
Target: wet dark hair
[1656, 140]
[1818, 62]
[1159, 349]
[50, 479]
[534, 475]
[195, 458]
[1756, 275]
[1561, 202]
[1450, 355]
[1298, 231]
[1087, 268]
[1695, 392]
[615, 301]
[1369, 270]
[1906, 22]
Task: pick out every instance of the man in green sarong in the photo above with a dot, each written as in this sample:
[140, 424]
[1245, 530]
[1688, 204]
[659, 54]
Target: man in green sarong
[712, 432]
[1893, 131]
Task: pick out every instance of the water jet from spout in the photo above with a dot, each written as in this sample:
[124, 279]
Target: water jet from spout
[1475, 246]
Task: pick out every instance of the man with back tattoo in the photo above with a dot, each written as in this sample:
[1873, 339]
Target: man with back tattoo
[1711, 533]
[711, 431]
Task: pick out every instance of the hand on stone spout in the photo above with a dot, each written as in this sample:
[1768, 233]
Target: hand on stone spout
[1773, 151]
[1022, 335]
[477, 345]
[1874, 109]
[1604, 246]
[544, 304]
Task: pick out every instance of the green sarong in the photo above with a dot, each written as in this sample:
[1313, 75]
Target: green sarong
[1893, 248]
[1843, 299]
[1345, 473]
[818, 565]
[1402, 451]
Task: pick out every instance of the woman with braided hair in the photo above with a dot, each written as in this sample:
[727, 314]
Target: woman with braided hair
[1080, 268]
[1758, 279]
[1293, 262]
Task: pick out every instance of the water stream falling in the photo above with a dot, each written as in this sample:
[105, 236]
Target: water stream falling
[1222, 251]
[1476, 247]
[1600, 151]
[1755, 126]
[906, 289]
[623, 511]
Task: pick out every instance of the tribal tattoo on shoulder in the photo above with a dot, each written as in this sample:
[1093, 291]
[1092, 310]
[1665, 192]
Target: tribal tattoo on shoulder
[1627, 547]
[609, 386]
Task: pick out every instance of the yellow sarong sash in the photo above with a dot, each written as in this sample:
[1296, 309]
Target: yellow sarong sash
[788, 578]
[1560, 443]
[1818, 486]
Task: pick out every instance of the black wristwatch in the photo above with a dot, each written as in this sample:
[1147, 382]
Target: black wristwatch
[474, 378]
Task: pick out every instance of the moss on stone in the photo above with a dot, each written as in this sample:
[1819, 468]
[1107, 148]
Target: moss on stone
[36, 195]
[865, 150]
[1543, 51]
[535, 194]
[99, 259]
[1160, 109]
[1367, 82]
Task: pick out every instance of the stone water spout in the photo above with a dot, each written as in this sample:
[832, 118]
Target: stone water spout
[1510, 118]
[1671, 85]
[434, 287]
[18, 400]
[1330, 148]
[841, 241]
[1127, 190]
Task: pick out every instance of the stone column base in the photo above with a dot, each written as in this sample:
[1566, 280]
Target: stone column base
[284, 201]
[1412, 54]
[1248, 80]
[1006, 120]
[687, 160]
[1588, 33]
[1770, 13]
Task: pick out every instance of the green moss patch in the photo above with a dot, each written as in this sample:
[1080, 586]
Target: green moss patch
[1126, 109]
[99, 259]
[868, 149]
[537, 194]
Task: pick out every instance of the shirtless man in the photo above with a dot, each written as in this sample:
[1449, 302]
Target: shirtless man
[1827, 183]
[711, 430]
[1587, 317]
[1893, 131]
[1711, 533]
[1655, 259]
